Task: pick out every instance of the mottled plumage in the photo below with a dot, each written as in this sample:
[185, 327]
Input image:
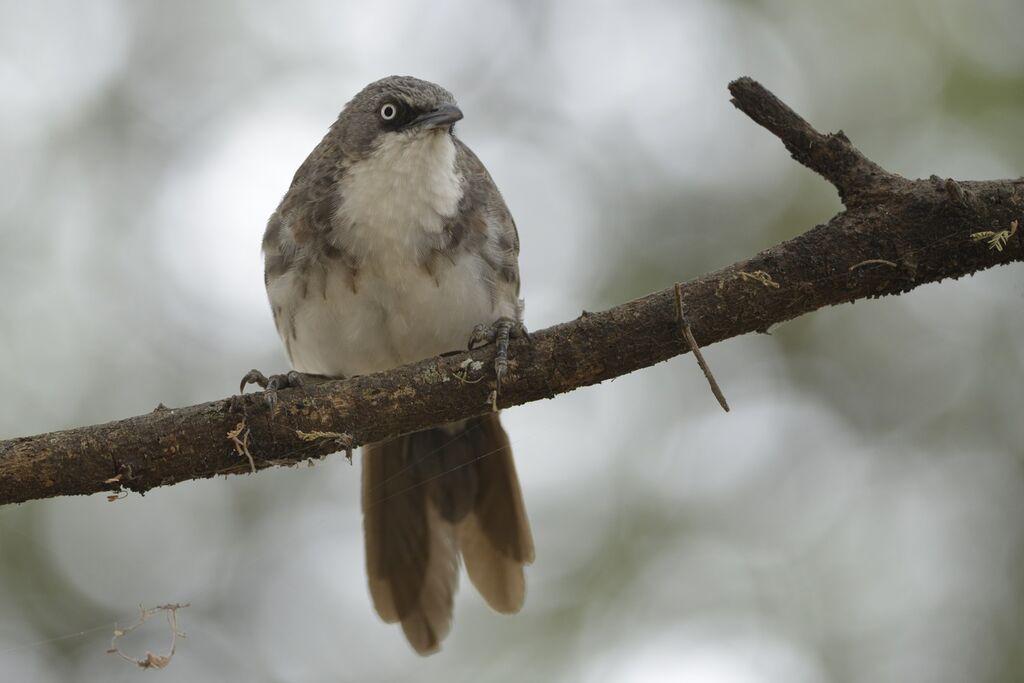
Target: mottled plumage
[390, 246]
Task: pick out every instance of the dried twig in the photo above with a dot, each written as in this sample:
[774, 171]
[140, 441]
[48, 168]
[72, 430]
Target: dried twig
[688, 335]
[242, 444]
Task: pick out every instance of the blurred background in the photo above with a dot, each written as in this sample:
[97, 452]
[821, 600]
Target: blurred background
[857, 517]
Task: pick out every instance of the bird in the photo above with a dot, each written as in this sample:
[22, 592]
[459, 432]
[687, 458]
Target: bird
[393, 245]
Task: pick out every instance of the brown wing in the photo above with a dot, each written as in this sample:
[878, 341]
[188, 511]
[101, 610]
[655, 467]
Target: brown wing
[298, 237]
[485, 217]
[304, 214]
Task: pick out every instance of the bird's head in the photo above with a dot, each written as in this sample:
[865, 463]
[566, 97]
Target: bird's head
[396, 107]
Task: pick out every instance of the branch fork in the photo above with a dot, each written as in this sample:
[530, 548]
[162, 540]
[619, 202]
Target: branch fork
[895, 234]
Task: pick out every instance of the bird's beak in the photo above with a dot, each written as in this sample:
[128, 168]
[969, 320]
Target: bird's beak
[444, 115]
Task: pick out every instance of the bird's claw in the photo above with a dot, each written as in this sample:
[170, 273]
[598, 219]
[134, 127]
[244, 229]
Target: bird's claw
[498, 334]
[271, 385]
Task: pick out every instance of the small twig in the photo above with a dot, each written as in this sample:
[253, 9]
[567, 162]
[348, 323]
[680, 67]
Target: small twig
[341, 438]
[873, 261]
[242, 444]
[688, 334]
[150, 661]
[832, 155]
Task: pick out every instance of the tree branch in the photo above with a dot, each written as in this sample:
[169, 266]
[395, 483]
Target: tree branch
[832, 156]
[895, 235]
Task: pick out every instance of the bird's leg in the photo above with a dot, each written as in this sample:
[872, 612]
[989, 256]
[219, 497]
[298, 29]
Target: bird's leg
[271, 385]
[499, 334]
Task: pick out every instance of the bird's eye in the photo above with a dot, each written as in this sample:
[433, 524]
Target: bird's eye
[388, 112]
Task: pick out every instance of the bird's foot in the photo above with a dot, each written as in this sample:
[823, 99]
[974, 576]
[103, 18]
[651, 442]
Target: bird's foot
[498, 334]
[271, 385]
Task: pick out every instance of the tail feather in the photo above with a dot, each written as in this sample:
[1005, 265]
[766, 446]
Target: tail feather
[428, 495]
[495, 538]
[395, 530]
[431, 619]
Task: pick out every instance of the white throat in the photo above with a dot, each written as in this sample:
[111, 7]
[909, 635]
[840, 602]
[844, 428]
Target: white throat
[400, 196]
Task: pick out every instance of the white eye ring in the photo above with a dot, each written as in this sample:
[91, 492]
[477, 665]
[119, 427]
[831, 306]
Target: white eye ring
[388, 112]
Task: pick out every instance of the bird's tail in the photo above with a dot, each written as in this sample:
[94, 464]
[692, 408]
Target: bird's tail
[427, 497]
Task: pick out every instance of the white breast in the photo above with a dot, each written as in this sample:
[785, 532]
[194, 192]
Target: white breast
[393, 201]
[393, 206]
[393, 318]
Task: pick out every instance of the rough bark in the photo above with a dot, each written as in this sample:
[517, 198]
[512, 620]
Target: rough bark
[895, 234]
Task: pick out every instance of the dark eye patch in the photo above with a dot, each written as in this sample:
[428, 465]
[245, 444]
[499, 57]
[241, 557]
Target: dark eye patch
[403, 114]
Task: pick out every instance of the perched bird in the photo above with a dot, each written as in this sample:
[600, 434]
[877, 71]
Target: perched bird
[393, 245]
